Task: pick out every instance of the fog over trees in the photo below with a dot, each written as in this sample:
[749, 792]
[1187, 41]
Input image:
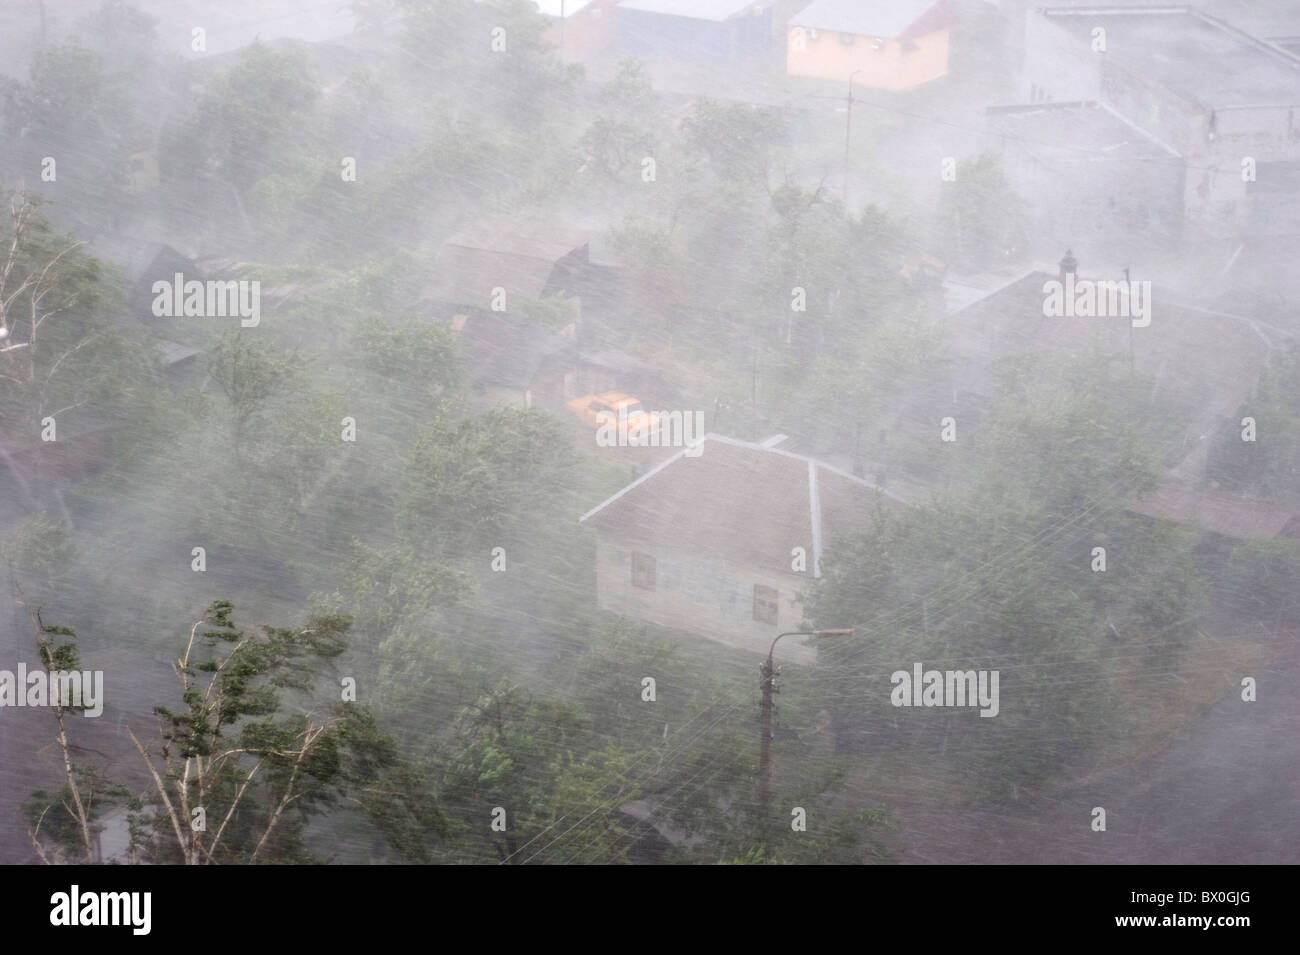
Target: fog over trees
[419, 419]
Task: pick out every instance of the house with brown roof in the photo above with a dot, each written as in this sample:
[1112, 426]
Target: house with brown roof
[498, 260]
[512, 361]
[1202, 359]
[1217, 513]
[719, 540]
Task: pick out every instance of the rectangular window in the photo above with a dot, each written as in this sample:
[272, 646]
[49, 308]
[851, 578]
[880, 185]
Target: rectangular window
[643, 571]
[765, 604]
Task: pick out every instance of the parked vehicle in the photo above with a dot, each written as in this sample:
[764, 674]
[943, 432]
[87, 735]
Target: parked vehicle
[626, 412]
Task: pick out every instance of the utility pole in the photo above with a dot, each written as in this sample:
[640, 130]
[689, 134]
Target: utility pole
[767, 684]
[848, 137]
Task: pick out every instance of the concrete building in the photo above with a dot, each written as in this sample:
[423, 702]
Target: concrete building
[1222, 100]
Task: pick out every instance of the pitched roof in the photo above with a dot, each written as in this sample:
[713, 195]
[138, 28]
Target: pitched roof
[742, 502]
[882, 18]
[559, 8]
[511, 235]
[507, 350]
[1214, 358]
[1219, 513]
[716, 10]
[517, 255]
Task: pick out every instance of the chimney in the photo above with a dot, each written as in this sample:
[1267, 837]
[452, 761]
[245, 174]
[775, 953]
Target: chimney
[1069, 265]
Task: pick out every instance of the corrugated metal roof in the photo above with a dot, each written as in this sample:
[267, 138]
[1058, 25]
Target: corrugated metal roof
[882, 18]
[717, 10]
[742, 502]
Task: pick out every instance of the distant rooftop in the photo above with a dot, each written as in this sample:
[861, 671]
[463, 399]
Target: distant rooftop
[1219, 513]
[510, 235]
[882, 18]
[1190, 53]
[716, 10]
[560, 8]
[1081, 131]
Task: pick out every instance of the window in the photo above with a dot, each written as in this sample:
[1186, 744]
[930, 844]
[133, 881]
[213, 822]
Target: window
[847, 39]
[765, 604]
[878, 43]
[643, 571]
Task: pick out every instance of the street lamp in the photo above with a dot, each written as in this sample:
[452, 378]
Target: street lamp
[767, 682]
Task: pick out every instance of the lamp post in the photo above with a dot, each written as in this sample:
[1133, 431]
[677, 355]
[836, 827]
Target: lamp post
[767, 682]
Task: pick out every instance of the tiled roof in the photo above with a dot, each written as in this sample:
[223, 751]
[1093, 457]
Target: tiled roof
[1220, 513]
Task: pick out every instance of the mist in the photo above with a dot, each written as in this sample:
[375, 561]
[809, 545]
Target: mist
[649, 432]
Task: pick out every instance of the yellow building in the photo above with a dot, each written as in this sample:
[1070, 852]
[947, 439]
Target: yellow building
[886, 44]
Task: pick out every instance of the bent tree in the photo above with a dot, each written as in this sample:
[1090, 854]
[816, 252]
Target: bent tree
[264, 743]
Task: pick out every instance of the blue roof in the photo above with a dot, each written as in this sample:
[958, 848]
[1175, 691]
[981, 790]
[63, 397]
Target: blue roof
[717, 10]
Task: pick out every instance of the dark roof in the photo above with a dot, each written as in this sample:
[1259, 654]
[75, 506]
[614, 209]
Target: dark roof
[507, 350]
[620, 361]
[1219, 513]
[1212, 357]
[740, 501]
[71, 456]
[716, 10]
[157, 261]
[518, 255]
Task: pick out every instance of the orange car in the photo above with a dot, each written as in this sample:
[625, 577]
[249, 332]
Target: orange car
[631, 418]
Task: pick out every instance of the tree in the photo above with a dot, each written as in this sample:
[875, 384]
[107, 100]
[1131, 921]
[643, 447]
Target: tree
[63, 826]
[981, 217]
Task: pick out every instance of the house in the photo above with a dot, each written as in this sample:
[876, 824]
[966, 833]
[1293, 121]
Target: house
[1222, 100]
[513, 361]
[1218, 513]
[886, 44]
[1201, 359]
[614, 370]
[719, 539]
[499, 260]
[75, 456]
[579, 29]
[710, 30]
